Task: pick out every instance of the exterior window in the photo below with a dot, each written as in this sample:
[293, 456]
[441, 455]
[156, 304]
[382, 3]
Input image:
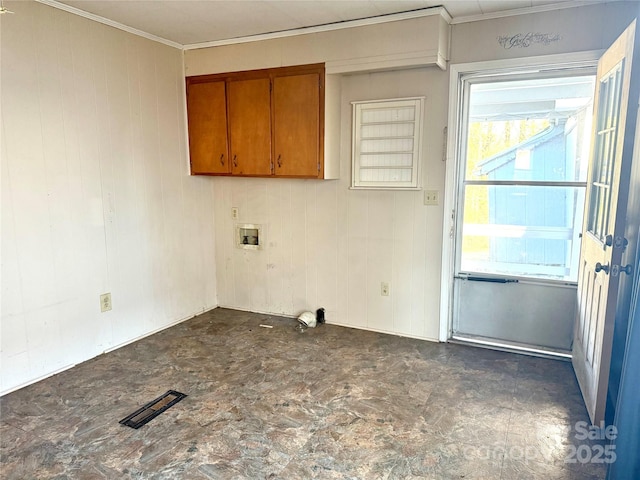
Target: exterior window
[387, 138]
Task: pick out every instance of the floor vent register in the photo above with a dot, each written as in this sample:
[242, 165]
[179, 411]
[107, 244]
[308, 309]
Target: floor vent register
[152, 409]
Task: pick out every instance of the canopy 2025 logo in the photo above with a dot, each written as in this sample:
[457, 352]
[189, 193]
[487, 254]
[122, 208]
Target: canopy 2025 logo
[590, 452]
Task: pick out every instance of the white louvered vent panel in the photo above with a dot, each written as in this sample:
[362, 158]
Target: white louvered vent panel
[387, 143]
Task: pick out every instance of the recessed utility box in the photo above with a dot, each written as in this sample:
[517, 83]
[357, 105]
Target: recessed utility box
[249, 236]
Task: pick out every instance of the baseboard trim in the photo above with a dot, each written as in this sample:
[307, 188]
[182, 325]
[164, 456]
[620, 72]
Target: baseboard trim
[386, 332]
[38, 379]
[338, 324]
[111, 349]
[157, 330]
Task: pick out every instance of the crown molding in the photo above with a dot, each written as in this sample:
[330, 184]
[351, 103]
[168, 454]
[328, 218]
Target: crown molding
[392, 17]
[524, 11]
[110, 23]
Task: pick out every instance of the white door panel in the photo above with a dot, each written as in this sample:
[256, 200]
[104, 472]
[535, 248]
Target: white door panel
[616, 105]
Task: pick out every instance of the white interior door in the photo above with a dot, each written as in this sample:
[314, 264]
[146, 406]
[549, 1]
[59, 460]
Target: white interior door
[603, 243]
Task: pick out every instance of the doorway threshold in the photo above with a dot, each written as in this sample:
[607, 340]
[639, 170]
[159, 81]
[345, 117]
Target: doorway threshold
[512, 347]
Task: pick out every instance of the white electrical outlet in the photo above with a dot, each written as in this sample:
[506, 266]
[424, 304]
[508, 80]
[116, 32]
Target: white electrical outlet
[105, 302]
[384, 289]
[235, 213]
[431, 197]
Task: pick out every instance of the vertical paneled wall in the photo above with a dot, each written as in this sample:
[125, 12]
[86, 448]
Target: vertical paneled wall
[96, 195]
[329, 246]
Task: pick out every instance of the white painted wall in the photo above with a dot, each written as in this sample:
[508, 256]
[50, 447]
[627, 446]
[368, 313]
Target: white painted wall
[590, 27]
[96, 195]
[395, 44]
[328, 246]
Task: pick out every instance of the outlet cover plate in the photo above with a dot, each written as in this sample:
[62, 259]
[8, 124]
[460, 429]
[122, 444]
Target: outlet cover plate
[105, 302]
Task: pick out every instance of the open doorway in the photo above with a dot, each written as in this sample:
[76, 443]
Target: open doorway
[523, 156]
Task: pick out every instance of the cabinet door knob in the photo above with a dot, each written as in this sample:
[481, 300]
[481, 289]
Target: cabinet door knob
[222, 159]
[279, 161]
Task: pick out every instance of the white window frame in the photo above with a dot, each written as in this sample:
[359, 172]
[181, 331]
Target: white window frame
[454, 133]
[417, 103]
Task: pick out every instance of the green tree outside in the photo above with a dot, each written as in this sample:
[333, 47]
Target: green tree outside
[486, 139]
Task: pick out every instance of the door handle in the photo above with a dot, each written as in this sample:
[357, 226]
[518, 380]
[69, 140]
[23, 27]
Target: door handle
[602, 268]
[235, 163]
[628, 269]
[618, 269]
[617, 242]
[222, 159]
[279, 161]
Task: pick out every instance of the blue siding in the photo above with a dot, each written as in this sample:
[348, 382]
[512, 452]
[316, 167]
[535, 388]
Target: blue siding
[533, 206]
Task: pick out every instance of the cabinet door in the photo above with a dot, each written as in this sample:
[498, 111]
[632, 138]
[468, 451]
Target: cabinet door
[296, 113]
[207, 115]
[250, 126]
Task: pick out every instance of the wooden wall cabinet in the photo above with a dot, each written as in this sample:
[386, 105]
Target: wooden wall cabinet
[258, 123]
[296, 125]
[249, 126]
[208, 146]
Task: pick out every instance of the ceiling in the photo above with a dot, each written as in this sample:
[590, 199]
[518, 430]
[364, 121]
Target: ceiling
[188, 22]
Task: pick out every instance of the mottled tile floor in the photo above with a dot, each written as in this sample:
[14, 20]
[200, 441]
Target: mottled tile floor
[331, 402]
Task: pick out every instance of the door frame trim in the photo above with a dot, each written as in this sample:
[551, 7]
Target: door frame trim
[507, 66]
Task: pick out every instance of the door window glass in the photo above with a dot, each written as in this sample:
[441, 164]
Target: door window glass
[604, 152]
[525, 173]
